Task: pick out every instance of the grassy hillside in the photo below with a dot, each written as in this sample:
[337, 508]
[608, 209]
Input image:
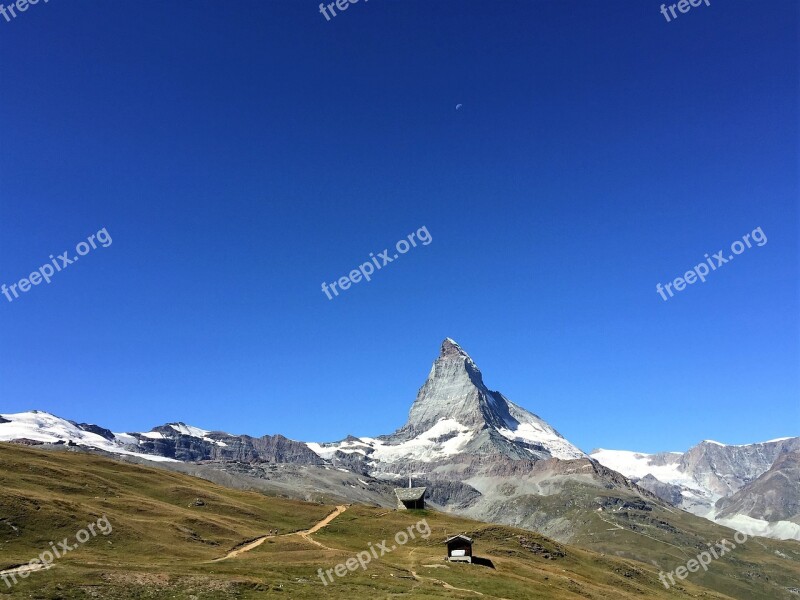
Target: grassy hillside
[625, 526]
[163, 543]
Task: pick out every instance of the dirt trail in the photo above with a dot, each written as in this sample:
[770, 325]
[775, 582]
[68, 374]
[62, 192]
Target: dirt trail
[305, 534]
[246, 548]
[339, 510]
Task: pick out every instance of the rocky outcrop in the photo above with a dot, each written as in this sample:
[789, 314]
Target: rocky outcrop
[453, 494]
[26, 442]
[773, 496]
[96, 429]
[224, 447]
[725, 469]
[666, 491]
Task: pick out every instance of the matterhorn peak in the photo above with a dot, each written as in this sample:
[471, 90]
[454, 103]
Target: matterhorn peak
[451, 348]
[453, 361]
[454, 398]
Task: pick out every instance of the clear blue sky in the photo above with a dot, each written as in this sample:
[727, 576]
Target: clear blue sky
[240, 154]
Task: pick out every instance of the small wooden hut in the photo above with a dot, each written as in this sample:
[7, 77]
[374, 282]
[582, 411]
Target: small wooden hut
[459, 548]
[410, 498]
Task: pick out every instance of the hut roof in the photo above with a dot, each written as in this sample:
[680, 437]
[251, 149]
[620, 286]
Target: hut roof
[459, 536]
[410, 494]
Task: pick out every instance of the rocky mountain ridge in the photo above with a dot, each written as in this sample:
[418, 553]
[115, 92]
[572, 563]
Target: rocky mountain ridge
[479, 453]
[713, 480]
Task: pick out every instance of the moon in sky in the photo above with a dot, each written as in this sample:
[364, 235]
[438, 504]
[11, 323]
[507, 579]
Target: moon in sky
[459, 106]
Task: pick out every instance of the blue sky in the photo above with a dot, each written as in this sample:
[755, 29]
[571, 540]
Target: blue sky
[241, 154]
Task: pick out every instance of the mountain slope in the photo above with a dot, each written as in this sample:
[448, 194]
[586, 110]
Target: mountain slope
[770, 503]
[701, 478]
[170, 442]
[455, 418]
[163, 542]
[37, 426]
[774, 496]
[498, 462]
[480, 456]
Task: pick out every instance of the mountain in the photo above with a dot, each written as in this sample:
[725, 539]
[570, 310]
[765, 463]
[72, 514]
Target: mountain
[711, 475]
[166, 535]
[773, 497]
[170, 442]
[479, 454]
[455, 392]
[455, 418]
[37, 427]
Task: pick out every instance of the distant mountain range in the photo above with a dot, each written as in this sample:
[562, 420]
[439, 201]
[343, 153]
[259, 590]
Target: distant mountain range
[754, 487]
[480, 455]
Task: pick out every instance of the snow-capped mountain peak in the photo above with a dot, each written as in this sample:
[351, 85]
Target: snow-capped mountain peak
[455, 390]
[461, 433]
[697, 479]
[38, 426]
[456, 414]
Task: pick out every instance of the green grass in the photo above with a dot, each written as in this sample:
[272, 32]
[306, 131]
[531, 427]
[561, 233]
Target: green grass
[160, 546]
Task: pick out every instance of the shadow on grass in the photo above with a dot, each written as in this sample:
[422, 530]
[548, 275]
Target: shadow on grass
[484, 562]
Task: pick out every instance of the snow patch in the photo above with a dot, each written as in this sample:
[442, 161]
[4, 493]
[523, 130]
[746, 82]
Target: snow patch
[635, 465]
[195, 432]
[423, 447]
[534, 433]
[328, 451]
[44, 427]
[781, 530]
